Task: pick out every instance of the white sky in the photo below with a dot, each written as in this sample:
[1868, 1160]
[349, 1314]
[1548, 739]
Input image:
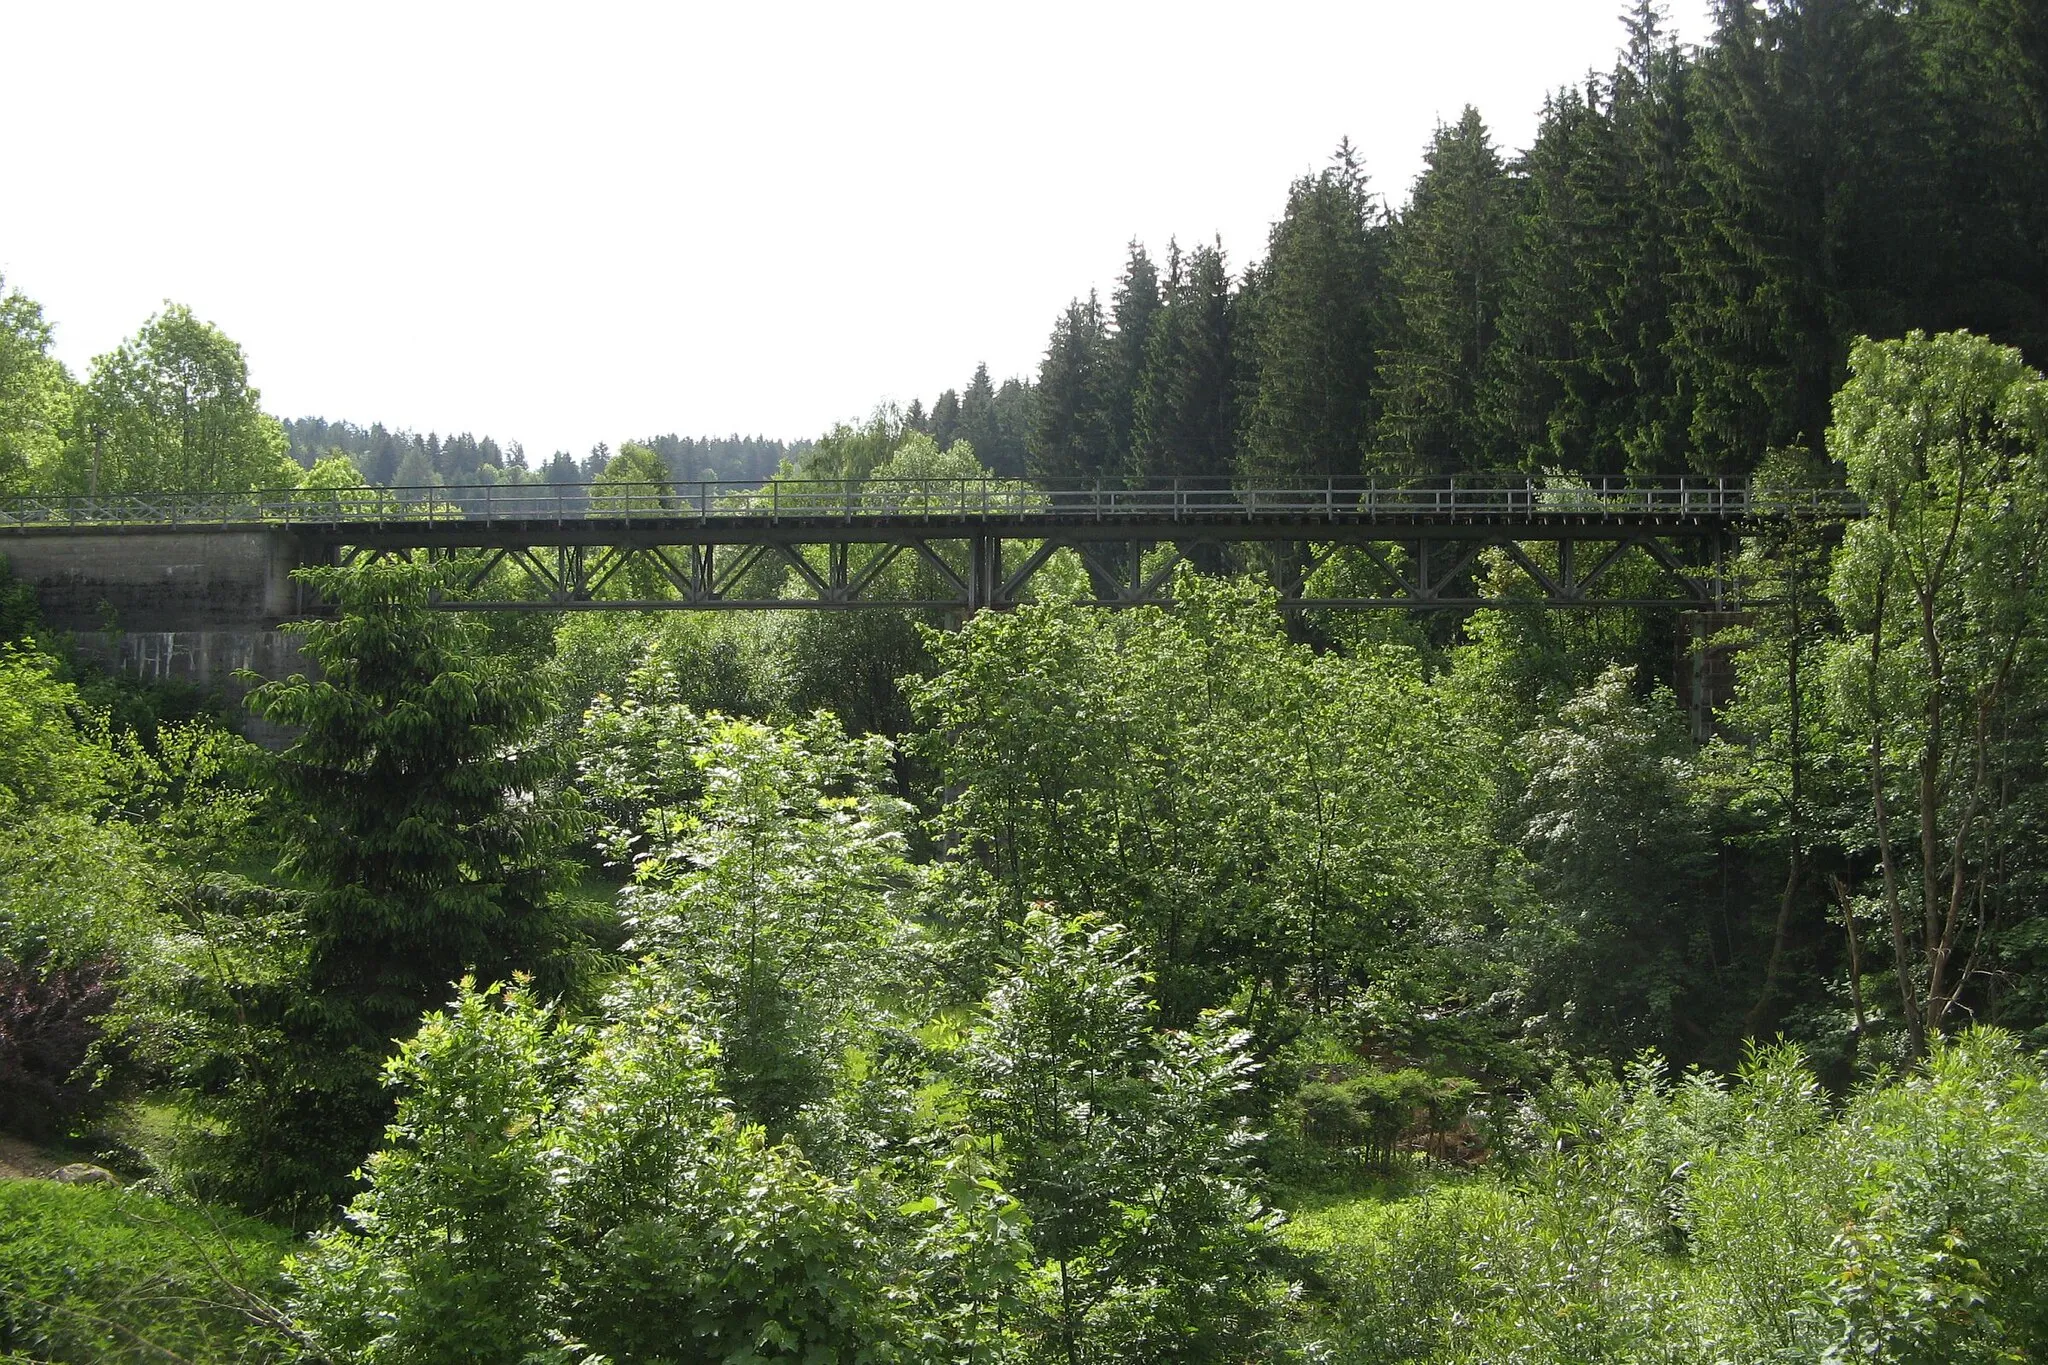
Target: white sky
[570, 223]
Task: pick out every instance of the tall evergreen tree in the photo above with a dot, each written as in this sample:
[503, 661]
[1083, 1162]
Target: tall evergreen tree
[1449, 254]
[1008, 438]
[1315, 328]
[1134, 309]
[1544, 392]
[944, 426]
[1986, 66]
[1070, 437]
[1641, 196]
[977, 408]
[1185, 414]
[423, 813]
[1811, 220]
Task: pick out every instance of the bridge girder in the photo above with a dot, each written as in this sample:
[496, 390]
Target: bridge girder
[982, 543]
[1419, 570]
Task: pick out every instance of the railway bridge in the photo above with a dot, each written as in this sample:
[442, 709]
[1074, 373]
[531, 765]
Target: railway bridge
[194, 584]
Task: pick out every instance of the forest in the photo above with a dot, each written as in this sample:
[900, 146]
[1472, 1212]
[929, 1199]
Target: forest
[1226, 982]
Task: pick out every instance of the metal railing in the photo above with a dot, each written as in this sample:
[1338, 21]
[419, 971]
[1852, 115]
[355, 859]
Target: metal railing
[936, 500]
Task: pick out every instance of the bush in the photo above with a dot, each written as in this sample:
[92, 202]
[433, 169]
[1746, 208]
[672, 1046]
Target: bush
[1700, 1221]
[102, 1276]
[49, 1023]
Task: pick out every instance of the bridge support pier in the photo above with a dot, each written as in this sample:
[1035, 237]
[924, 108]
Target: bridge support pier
[172, 605]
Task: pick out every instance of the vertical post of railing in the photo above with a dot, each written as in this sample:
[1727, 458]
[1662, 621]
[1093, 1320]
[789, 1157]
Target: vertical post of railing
[774, 499]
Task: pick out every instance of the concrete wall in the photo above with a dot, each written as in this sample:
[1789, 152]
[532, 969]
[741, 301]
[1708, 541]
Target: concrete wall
[159, 580]
[171, 605]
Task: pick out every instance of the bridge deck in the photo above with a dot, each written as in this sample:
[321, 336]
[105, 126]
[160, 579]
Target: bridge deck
[978, 542]
[930, 507]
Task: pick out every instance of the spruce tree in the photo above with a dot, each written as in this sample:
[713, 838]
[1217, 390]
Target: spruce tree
[1315, 329]
[1134, 309]
[1449, 254]
[1810, 223]
[1185, 414]
[1986, 65]
[423, 812]
[1639, 207]
[1011, 418]
[977, 409]
[1543, 392]
[1070, 436]
[944, 426]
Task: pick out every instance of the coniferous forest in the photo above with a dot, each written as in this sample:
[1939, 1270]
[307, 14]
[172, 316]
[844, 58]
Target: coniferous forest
[1218, 983]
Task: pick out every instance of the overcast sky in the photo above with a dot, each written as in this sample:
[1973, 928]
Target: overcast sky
[579, 222]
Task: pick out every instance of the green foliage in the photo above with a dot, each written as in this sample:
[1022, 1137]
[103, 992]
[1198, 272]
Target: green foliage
[171, 409]
[92, 1275]
[585, 1190]
[1369, 1113]
[37, 395]
[1697, 1221]
[420, 808]
[1941, 592]
[769, 897]
[1314, 328]
[1254, 811]
[1621, 857]
[46, 763]
[1121, 1143]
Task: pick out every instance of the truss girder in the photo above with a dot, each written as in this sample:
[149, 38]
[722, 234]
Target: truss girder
[1415, 571]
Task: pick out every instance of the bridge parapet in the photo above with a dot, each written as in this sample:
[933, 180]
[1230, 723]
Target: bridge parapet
[938, 502]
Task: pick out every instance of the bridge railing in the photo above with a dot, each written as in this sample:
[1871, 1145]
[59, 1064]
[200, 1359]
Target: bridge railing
[1333, 500]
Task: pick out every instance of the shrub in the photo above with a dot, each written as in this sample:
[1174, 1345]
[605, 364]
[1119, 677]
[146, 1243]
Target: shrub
[49, 1022]
[1698, 1220]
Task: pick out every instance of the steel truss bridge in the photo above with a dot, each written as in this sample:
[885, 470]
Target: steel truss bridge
[976, 543]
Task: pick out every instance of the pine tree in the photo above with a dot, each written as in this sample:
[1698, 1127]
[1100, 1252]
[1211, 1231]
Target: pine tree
[945, 419]
[1986, 63]
[1012, 417]
[1070, 437]
[1449, 255]
[1811, 220]
[1543, 392]
[1134, 309]
[1315, 329]
[1186, 409]
[1644, 428]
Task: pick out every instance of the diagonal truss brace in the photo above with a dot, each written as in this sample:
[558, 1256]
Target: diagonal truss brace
[1420, 571]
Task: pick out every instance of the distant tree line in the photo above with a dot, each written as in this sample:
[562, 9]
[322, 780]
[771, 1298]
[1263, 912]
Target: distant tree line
[406, 459]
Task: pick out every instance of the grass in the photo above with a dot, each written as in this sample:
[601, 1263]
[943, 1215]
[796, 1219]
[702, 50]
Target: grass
[104, 1274]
